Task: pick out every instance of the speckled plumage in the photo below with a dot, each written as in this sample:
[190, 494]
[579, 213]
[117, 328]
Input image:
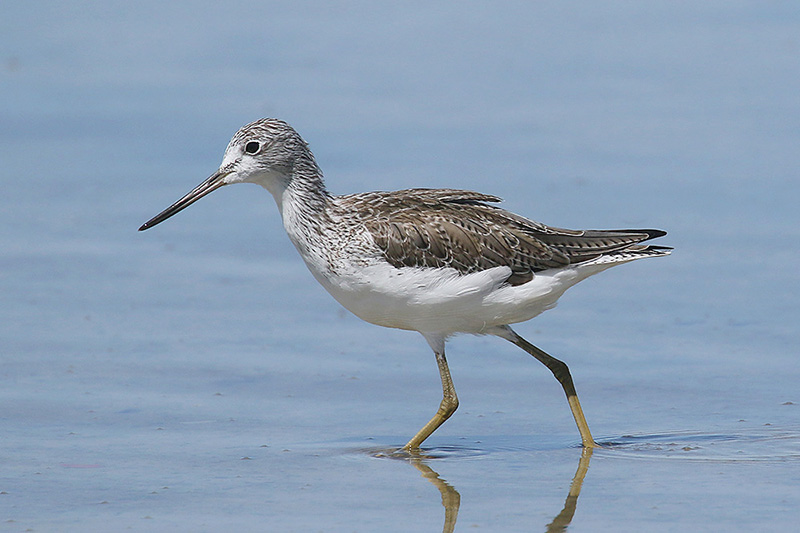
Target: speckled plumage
[438, 228]
[437, 261]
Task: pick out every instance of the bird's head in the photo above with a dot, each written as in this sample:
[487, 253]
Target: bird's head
[268, 152]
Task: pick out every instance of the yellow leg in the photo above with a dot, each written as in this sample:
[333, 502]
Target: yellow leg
[446, 408]
[561, 372]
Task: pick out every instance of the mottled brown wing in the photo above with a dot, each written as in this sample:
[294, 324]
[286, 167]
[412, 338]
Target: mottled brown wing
[461, 230]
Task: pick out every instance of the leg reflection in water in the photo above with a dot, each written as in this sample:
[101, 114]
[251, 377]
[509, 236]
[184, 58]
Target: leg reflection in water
[563, 519]
[451, 499]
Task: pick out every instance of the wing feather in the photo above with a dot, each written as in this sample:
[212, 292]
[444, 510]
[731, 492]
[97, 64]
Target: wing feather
[462, 230]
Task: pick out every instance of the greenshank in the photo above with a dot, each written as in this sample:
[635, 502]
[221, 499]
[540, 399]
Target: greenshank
[436, 261]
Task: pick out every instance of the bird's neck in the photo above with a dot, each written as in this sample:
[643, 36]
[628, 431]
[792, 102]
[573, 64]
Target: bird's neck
[304, 204]
[307, 188]
[298, 188]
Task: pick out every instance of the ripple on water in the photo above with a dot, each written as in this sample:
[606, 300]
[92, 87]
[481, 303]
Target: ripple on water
[468, 447]
[767, 445]
[434, 452]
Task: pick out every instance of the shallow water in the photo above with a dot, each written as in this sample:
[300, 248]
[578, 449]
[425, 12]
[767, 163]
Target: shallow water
[195, 377]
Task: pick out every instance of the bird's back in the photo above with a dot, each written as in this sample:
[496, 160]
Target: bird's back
[462, 230]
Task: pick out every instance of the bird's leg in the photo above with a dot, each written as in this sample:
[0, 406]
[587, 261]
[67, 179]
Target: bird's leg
[446, 408]
[561, 372]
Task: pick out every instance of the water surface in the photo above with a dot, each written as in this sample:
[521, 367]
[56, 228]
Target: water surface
[195, 377]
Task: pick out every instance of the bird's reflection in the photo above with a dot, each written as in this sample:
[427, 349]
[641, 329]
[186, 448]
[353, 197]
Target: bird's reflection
[563, 519]
[451, 499]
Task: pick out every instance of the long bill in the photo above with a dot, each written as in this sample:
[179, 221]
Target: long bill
[214, 182]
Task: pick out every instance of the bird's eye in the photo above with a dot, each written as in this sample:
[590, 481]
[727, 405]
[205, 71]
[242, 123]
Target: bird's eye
[252, 147]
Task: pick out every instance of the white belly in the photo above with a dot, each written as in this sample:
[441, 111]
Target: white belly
[444, 301]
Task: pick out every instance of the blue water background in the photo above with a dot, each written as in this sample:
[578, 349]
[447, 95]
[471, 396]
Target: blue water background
[195, 377]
